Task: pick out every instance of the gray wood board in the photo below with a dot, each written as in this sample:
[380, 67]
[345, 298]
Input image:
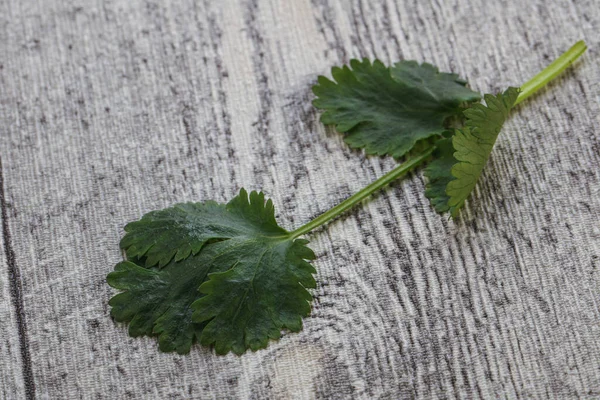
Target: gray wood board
[110, 109]
[11, 310]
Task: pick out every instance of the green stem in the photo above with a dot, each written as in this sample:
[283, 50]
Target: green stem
[362, 194]
[551, 71]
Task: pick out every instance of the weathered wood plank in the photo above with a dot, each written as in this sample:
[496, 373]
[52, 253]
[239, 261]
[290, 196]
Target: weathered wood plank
[13, 351]
[112, 109]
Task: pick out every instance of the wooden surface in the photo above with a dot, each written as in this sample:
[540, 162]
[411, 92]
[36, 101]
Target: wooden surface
[110, 109]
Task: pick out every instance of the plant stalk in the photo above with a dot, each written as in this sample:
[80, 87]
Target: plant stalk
[551, 71]
[362, 194]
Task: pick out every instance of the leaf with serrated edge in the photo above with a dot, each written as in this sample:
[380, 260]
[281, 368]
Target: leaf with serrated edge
[180, 231]
[256, 267]
[263, 292]
[156, 302]
[387, 111]
[448, 188]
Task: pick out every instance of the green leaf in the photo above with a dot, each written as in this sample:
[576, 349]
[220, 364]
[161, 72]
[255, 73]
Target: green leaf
[387, 111]
[455, 170]
[157, 302]
[227, 275]
[263, 292]
[183, 229]
[438, 174]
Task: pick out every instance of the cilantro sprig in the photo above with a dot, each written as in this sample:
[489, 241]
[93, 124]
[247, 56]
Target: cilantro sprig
[228, 276]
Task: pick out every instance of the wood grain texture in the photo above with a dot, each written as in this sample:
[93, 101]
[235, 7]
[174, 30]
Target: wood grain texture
[110, 109]
[13, 343]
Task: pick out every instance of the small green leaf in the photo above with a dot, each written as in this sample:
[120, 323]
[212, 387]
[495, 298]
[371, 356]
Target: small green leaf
[438, 174]
[387, 111]
[448, 188]
[225, 274]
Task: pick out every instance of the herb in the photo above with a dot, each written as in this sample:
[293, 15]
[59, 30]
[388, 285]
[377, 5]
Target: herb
[387, 111]
[470, 148]
[460, 160]
[228, 275]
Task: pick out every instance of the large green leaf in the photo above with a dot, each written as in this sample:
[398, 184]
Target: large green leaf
[387, 111]
[252, 275]
[448, 188]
